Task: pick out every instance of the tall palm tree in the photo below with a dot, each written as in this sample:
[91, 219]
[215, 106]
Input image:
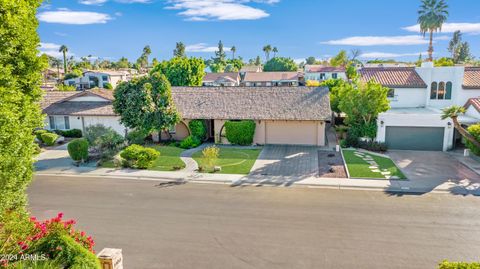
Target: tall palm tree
[453, 112]
[63, 49]
[275, 51]
[267, 50]
[431, 16]
[233, 50]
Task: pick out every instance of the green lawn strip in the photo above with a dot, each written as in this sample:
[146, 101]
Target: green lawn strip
[358, 168]
[168, 159]
[232, 160]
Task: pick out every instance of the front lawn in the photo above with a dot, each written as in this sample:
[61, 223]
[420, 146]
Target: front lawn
[232, 160]
[169, 159]
[358, 167]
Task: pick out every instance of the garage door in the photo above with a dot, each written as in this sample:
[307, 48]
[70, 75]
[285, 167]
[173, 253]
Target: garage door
[291, 132]
[415, 138]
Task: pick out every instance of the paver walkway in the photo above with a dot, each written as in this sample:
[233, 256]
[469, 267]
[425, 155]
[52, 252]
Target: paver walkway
[186, 156]
[374, 167]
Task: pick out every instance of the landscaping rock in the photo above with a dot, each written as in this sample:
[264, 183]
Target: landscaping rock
[217, 169]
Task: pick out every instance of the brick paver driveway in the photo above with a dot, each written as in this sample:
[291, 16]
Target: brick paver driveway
[287, 161]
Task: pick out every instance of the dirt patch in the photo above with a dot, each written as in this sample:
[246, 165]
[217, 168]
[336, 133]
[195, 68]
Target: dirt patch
[330, 165]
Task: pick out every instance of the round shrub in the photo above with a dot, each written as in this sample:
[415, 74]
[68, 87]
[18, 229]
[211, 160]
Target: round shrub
[49, 138]
[136, 156]
[78, 150]
[38, 134]
[198, 129]
[190, 142]
[136, 137]
[240, 132]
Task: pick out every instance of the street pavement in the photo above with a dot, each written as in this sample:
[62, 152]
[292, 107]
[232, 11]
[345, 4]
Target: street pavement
[163, 225]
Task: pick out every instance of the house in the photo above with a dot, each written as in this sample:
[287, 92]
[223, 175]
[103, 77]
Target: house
[98, 79]
[251, 68]
[321, 73]
[417, 96]
[78, 110]
[269, 79]
[221, 79]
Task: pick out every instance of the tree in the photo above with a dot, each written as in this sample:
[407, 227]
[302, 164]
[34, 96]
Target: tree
[459, 50]
[233, 49]
[146, 103]
[453, 112]
[351, 71]
[464, 54]
[63, 49]
[310, 60]
[155, 62]
[236, 63]
[123, 63]
[334, 86]
[355, 53]
[143, 60]
[20, 94]
[267, 49]
[444, 61]
[431, 16]
[179, 50]
[275, 51]
[341, 59]
[258, 61]
[182, 71]
[278, 64]
[219, 54]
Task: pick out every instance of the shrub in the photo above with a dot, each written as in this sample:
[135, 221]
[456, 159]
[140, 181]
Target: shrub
[49, 138]
[38, 134]
[343, 143]
[107, 86]
[373, 146]
[240, 132]
[104, 139]
[475, 131]
[136, 156]
[36, 149]
[66, 88]
[458, 265]
[190, 142]
[352, 138]
[136, 137]
[198, 129]
[210, 156]
[73, 133]
[78, 150]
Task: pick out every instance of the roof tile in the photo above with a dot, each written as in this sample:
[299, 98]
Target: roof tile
[395, 77]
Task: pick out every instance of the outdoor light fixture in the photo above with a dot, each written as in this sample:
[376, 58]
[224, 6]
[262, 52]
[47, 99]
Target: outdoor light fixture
[449, 125]
[381, 123]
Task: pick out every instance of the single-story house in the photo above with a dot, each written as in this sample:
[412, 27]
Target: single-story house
[321, 73]
[269, 79]
[221, 79]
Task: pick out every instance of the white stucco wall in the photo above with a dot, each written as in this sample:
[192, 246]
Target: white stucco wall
[408, 97]
[472, 112]
[328, 75]
[82, 122]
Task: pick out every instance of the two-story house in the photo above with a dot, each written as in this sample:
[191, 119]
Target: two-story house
[98, 79]
[417, 96]
[321, 73]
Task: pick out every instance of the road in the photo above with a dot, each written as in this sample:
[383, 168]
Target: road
[217, 226]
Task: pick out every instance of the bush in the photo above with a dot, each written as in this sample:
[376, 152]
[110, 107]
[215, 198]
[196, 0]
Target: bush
[78, 150]
[136, 156]
[343, 143]
[210, 156]
[49, 138]
[373, 146]
[73, 133]
[66, 88]
[240, 132]
[38, 134]
[352, 138]
[107, 86]
[36, 149]
[458, 265]
[104, 139]
[475, 131]
[198, 129]
[190, 142]
[136, 137]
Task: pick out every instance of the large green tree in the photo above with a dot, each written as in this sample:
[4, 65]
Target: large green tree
[431, 16]
[341, 59]
[278, 64]
[146, 103]
[20, 94]
[179, 50]
[182, 71]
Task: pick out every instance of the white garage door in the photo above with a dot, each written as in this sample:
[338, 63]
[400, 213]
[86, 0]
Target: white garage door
[291, 132]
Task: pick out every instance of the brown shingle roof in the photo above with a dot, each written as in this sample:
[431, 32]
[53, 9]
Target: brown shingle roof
[52, 97]
[471, 78]
[395, 77]
[320, 68]
[57, 103]
[270, 76]
[257, 103]
[215, 76]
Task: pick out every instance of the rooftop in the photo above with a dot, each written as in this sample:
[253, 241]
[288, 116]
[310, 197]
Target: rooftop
[394, 77]
[471, 78]
[270, 76]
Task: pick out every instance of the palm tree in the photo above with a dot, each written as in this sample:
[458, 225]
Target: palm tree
[453, 112]
[275, 51]
[233, 50]
[63, 49]
[267, 50]
[431, 16]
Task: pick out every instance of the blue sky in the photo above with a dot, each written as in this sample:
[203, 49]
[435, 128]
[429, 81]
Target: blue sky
[111, 29]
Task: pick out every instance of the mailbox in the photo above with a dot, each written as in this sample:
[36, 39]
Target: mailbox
[111, 258]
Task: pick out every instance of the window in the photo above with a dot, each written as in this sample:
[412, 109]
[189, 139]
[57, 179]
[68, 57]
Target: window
[441, 91]
[269, 84]
[59, 122]
[334, 75]
[105, 78]
[322, 76]
[91, 78]
[433, 91]
[448, 93]
[391, 93]
[71, 83]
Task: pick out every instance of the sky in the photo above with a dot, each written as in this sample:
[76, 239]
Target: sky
[110, 29]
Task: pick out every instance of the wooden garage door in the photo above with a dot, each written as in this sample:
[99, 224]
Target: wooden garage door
[291, 132]
[415, 138]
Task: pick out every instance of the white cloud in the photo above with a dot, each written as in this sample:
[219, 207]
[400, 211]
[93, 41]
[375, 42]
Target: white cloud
[101, 2]
[93, 2]
[381, 40]
[389, 54]
[473, 28]
[202, 10]
[65, 16]
[52, 50]
[202, 47]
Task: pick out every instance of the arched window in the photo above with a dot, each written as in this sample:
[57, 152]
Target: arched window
[433, 91]
[448, 93]
[441, 90]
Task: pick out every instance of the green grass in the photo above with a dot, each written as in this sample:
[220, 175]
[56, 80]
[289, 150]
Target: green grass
[232, 160]
[169, 158]
[358, 168]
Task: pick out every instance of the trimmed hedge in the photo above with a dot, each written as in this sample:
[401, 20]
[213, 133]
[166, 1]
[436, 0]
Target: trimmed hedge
[190, 142]
[475, 131]
[136, 156]
[73, 133]
[240, 132]
[78, 150]
[49, 138]
[198, 129]
[458, 265]
[38, 134]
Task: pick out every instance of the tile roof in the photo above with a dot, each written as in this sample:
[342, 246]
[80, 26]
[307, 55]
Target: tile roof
[471, 78]
[270, 76]
[52, 97]
[321, 68]
[257, 103]
[395, 77]
[475, 102]
[215, 76]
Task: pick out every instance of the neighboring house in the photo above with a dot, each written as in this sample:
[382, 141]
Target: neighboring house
[321, 73]
[417, 96]
[270, 79]
[251, 68]
[221, 79]
[94, 79]
[78, 110]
